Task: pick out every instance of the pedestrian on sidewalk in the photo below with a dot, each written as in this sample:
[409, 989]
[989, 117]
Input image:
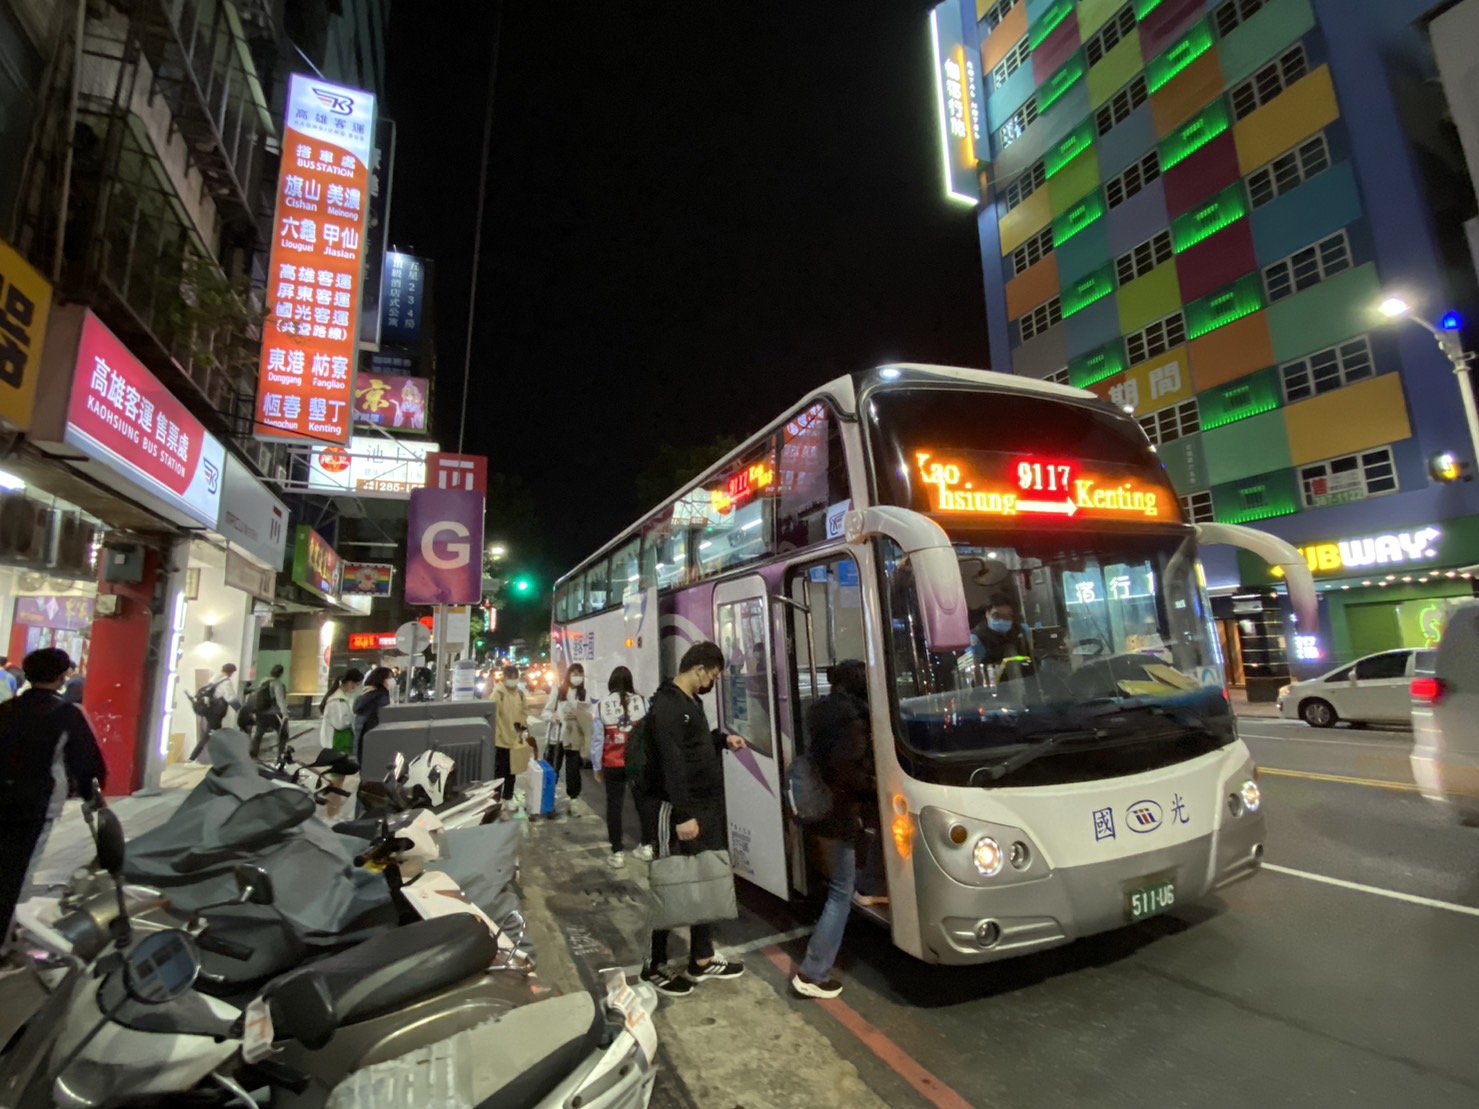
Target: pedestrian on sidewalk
[337, 709]
[838, 743]
[683, 769]
[510, 732]
[569, 715]
[8, 684]
[212, 702]
[373, 697]
[616, 716]
[47, 750]
[271, 705]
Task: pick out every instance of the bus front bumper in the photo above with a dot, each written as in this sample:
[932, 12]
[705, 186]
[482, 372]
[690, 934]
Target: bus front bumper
[1071, 902]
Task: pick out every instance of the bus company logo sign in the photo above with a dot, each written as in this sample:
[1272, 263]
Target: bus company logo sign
[1143, 816]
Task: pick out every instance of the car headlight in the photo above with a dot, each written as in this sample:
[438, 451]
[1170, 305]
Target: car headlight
[1251, 795]
[988, 857]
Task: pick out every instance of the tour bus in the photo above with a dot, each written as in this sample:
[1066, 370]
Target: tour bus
[1088, 777]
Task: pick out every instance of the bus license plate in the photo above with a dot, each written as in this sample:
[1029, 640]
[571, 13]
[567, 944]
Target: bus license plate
[1149, 900]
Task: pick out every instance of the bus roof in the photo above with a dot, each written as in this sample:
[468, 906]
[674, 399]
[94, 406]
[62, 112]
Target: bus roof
[846, 392]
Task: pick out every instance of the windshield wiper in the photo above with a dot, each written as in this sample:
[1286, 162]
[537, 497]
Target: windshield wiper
[1000, 770]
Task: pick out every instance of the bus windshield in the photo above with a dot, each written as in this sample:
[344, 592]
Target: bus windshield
[1091, 656]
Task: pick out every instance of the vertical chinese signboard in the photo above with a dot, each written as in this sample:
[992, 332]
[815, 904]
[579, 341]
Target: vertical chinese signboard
[375, 231]
[316, 565]
[403, 297]
[958, 97]
[316, 276]
[25, 302]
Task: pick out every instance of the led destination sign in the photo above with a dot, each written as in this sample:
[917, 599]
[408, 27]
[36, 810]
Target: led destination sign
[1007, 486]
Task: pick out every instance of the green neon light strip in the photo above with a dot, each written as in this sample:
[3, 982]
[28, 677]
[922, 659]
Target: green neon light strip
[1070, 148]
[1090, 369]
[1227, 207]
[1166, 65]
[1260, 514]
[1177, 147]
[1068, 75]
[1236, 416]
[1144, 7]
[1049, 21]
[1087, 211]
[1242, 298]
[1086, 291]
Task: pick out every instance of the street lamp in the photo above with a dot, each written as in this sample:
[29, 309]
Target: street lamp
[1452, 346]
[497, 551]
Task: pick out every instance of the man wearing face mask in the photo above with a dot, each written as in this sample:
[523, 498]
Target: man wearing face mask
[1001, 635]
[510, 730]
[684, 770]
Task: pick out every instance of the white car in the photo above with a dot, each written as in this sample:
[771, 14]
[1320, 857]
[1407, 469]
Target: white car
[1371, 690]
[1445, 717]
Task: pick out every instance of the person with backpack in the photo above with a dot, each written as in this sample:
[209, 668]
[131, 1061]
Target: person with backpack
[270, 708]
[211, 703]
[337, 710]
[47, 750]
[568, 714]
[839, 750]
[367, 706]
[619, 712]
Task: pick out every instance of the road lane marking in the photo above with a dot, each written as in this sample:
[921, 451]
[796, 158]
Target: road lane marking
[891, 1054]
[1360, 887]
[1398, 746]
[1374, 783]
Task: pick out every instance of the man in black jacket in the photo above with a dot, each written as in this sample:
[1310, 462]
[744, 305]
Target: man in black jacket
[684, 770]
[45, 743]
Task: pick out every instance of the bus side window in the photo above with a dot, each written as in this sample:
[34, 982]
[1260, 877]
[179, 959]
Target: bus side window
[826, 628]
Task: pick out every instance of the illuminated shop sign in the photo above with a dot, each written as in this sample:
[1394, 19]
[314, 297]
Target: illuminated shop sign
[1399, 548]
[1029, 486]
[372, 641]
[957, 98]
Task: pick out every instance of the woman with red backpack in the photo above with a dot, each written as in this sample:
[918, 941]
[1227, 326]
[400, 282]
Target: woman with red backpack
[616, 716]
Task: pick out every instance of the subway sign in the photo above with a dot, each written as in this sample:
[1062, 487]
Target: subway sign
[1397, 548]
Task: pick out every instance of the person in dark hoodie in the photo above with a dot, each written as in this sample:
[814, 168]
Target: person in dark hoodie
[368, 704]
[684, 771]
[838, 742]
[47, 749]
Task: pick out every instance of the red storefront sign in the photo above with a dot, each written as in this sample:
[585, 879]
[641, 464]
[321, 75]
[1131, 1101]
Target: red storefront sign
[315, 282]
[122, 416]
[372, 641]
[467, 472]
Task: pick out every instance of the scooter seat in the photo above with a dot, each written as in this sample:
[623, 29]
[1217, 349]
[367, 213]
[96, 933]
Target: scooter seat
[393, 970]
[335, 762]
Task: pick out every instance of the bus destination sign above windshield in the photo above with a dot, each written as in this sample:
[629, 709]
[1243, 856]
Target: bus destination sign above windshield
[1025, 486]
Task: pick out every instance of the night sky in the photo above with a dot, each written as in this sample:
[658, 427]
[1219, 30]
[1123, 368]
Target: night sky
[696, 212]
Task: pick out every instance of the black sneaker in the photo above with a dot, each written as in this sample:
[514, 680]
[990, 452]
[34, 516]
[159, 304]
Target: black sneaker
[719, 967]
[674, 985]
[807, 988]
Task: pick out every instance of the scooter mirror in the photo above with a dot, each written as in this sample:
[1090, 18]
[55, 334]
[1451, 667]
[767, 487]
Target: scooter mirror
[161, 967]
[514, 924]
[254, 883]
[110, 842]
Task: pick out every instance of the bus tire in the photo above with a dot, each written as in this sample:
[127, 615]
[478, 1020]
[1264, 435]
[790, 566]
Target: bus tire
[1318, 713]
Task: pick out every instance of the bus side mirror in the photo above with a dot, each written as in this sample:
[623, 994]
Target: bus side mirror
[936, 570]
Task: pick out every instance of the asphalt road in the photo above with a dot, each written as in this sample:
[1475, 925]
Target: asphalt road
[1346, 974]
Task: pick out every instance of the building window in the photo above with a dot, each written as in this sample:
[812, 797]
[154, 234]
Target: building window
[1144, 258]
[1014, 128]
[1109, 36]
[1107, 118]
[1328, 369]
[1308, 267]
[1172, 423]
[995, 14]
[1288, 171]
[1127, 184]
[1268, 82]
[1156, 338]
[1041, 318]
[1031, 252]
[1058, 377]
[1197, 507]
[1234, 13]
[1353, 477]
[1025, 184]
[1011, 63]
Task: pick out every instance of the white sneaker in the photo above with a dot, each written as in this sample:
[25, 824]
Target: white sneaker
[617, 861]
[643, 854]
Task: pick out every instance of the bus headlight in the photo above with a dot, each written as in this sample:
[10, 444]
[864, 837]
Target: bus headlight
[988, 857]
[1251, 795]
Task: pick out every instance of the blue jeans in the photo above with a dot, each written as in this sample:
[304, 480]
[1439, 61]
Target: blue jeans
[826, 940]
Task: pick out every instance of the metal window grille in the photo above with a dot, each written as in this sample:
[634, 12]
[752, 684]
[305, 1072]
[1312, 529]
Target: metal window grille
[1328, 369]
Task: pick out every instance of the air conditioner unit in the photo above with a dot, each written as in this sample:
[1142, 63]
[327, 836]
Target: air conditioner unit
[73, 549]
[123, 564]
[24, 530]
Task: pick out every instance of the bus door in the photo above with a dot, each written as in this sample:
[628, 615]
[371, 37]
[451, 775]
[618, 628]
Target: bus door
[747, 707]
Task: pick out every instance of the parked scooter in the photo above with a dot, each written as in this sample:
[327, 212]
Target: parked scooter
[412, 1017]
[429, 781]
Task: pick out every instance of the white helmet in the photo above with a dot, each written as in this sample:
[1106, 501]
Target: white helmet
[432, 772]
[422, 839]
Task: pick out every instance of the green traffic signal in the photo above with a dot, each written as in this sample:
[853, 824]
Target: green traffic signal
[523, 585]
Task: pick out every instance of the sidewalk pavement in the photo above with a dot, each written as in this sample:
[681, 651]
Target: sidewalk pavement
[1243, 707]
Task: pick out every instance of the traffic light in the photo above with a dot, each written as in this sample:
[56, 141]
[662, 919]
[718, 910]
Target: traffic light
[523, 585]
[1448, 467]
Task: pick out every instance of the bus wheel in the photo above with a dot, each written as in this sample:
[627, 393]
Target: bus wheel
[1318, 714]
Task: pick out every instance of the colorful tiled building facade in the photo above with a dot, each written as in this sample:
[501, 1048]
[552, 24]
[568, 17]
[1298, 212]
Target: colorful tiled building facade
[1192, 209]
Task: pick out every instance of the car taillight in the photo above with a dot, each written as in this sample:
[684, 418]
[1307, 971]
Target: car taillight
[1427, 690]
